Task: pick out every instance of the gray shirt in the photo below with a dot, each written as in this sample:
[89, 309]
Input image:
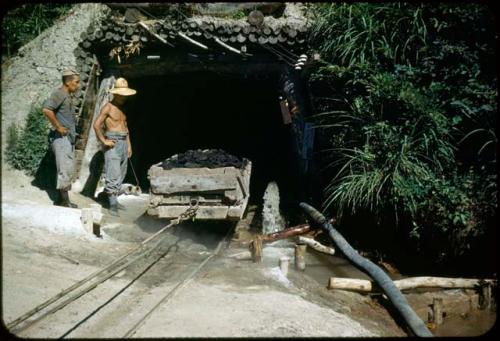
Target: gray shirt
[63, 105]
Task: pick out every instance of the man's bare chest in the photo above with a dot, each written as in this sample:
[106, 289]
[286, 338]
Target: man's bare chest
[116, 115]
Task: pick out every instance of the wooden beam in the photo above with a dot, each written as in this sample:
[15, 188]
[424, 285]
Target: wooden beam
[192, 41]
[232, 49]
[154, 34]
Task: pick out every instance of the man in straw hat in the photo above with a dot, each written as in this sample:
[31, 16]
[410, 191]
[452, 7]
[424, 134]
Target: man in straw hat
[116, 140]
[60, 110]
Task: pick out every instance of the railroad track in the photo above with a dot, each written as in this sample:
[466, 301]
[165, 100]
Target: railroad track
[78, 292]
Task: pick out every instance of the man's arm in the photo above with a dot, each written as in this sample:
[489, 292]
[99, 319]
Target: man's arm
[51, 116]
[128, 140]
[98, 124]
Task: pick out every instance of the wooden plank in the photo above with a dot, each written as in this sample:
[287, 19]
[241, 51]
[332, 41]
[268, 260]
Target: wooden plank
[203, 212]
[182, 183]
[184, 199]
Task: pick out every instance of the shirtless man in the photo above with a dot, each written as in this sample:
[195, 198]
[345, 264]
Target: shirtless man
[116, 141]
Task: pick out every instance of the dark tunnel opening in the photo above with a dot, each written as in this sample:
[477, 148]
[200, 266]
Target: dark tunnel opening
[203, 110]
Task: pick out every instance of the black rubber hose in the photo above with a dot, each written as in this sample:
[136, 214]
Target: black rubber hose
[415, 323]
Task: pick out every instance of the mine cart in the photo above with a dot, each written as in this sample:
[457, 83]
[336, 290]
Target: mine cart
[214, 181]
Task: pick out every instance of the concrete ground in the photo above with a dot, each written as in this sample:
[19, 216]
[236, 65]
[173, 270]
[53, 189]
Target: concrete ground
[230, 297]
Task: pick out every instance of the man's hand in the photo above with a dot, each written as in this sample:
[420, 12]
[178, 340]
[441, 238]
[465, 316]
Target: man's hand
[61, 130]
[109, 143]
[129, 152]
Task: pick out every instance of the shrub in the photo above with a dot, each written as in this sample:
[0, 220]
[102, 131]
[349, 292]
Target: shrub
[31, 145]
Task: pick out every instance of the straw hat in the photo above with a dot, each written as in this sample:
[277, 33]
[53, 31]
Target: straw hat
[121, 88]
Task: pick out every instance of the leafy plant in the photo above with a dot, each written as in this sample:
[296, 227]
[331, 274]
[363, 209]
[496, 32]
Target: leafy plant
[406, 98]
[28, 150]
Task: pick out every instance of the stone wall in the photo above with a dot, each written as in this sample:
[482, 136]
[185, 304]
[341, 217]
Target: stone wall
[30, 77]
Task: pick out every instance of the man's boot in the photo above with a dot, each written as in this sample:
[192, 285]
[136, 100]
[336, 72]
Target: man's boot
[113, 205]
[65, 199]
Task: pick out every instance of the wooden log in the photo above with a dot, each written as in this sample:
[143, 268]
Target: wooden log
[133, 15]
[284, 265]
[85, 69]
[255, 18]
[87, 219]
[256, 249]
[232, 39]
[316, 245]
[224, 39]
[252, 38]
[485, 297]
[140, 23]
[362, 285]
[109, 35]
[117, 37]
[273, 40]
[86, 44]
[84, 76]
[262, 40]
[300, 254]
[99, 34]
[246, 29]
[207, 35]
[437, 310]
[281, 38]
[292, 33]
[144, 39]
[266, 30]
[129, 31]
[240, 38]
[135, 38]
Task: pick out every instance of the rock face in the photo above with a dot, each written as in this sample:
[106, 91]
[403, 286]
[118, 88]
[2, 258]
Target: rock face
[272, 221]
[29, 78]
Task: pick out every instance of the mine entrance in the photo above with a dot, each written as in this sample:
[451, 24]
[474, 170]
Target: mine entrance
[205, 109]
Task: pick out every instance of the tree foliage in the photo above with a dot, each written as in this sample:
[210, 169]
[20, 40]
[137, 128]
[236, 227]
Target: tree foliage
[24, 23]
[406, 103]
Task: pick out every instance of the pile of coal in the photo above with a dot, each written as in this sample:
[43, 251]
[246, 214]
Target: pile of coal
[210, 158]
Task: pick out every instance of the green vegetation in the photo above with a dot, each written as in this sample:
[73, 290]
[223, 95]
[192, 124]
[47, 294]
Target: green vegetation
[22, 24]
[26, 149]
[406, 102]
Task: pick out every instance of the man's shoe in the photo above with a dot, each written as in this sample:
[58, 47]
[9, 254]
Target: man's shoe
[64, 199]
[113, 210]
[69, 204]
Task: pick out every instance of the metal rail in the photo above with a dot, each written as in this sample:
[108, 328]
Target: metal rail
[179, 286]
[189, 213]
